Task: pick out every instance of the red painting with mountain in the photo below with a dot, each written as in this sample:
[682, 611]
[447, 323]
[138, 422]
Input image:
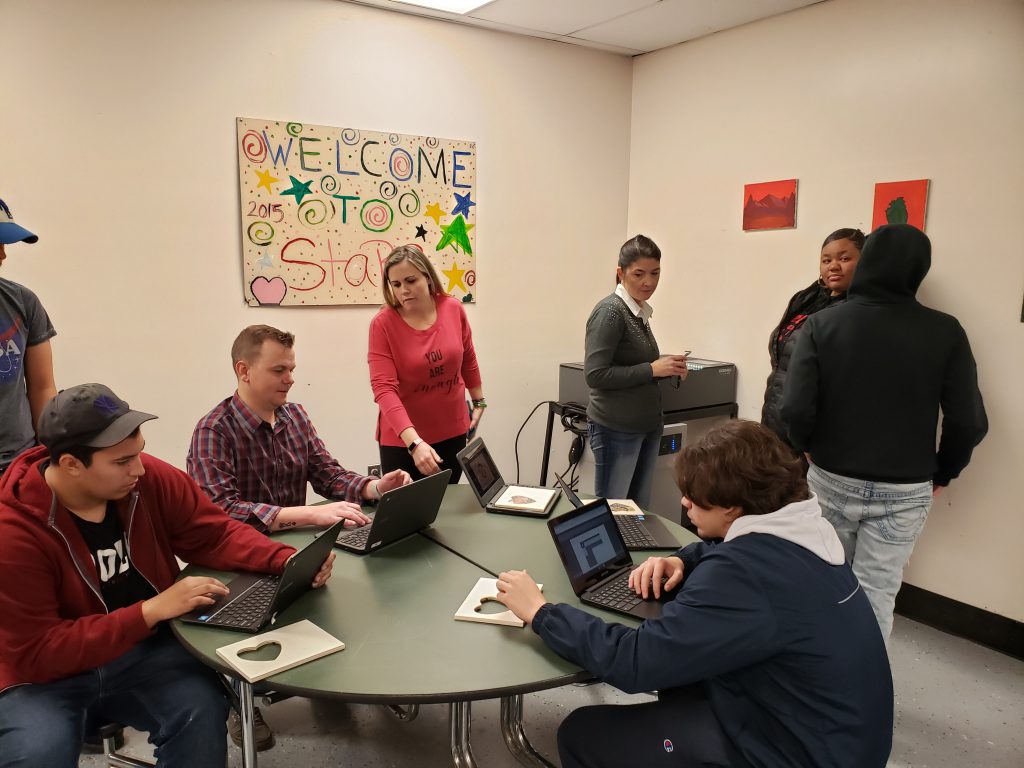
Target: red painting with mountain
[769, 205]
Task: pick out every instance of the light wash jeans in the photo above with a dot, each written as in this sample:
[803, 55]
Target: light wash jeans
[878, 524]
[624, 463]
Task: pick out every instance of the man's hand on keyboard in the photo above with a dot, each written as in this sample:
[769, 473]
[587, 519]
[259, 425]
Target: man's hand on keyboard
[326, 515]
[182, 597]
[646, 580]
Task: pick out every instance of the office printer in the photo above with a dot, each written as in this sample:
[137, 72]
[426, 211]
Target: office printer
[708, 383]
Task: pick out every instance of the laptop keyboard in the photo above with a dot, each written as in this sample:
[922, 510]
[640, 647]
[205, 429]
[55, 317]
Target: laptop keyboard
[633, 532]
[356, 538]
[616, 594]
[250, 610]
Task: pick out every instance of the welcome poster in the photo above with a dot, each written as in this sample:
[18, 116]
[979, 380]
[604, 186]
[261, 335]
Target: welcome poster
[322, 207]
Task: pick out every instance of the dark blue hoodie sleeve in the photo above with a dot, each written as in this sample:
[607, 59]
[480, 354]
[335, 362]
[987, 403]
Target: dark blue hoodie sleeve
[718, 622]
[800, 392]
[964, 422]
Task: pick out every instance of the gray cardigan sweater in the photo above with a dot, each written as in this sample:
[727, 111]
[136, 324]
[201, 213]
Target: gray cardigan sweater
[620, 348]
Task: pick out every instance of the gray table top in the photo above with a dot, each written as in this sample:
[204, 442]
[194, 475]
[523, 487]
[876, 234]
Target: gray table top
[498, 542]
[394, 609]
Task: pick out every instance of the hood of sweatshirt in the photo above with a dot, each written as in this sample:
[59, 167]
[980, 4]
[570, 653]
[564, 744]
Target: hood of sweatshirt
[895, 259]
[23, 488]
[801, 523]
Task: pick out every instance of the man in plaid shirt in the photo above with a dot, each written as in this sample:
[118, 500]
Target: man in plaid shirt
[254, 453]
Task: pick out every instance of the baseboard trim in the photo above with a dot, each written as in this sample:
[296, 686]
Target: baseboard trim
[1000, 633]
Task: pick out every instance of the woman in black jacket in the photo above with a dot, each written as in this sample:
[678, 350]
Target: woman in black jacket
[839, 254]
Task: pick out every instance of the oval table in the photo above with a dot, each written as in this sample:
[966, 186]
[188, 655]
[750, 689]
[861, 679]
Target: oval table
[394, 610]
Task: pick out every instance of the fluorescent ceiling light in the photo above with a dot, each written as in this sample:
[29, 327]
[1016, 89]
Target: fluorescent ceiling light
[452, 6]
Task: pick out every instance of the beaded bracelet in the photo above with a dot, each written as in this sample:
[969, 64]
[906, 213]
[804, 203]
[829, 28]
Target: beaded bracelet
[481, 403]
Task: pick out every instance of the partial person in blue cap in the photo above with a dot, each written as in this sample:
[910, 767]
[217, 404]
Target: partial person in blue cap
[26, 362]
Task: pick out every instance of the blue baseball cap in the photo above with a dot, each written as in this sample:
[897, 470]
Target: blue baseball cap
[11, 232]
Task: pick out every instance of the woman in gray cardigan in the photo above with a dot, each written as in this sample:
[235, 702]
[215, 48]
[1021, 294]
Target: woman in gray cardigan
[622, 369]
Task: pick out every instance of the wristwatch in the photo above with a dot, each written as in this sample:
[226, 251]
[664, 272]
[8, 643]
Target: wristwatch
[413, 445]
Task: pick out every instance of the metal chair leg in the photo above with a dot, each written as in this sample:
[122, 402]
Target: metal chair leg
[114, 759]
[460, 721]
[515, 737]
[245, 713]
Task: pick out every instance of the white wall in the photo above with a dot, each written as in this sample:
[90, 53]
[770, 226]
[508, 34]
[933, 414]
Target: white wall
[118, 128]
[841, 95]
[117, 134]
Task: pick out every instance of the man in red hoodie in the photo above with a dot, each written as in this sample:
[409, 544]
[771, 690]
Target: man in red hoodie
[90, 527]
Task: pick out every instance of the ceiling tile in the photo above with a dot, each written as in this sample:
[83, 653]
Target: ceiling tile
[674, 21]
[560, 17]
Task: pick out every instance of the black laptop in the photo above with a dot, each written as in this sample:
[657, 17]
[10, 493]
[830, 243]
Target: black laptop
[400, 512]
[494, 494]
[255, 599]
[597, 563]
[638, 531]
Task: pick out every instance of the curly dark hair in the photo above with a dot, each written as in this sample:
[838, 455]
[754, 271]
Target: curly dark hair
[741, 464]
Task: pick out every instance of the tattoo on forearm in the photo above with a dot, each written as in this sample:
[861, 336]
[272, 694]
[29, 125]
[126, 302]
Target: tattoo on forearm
[289, 524]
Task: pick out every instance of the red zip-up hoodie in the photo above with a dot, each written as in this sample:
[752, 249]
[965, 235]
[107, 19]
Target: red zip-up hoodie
[53, 621]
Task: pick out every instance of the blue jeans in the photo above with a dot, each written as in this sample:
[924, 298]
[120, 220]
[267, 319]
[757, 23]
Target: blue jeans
[878, 524]
[624, 463]
[157, 687]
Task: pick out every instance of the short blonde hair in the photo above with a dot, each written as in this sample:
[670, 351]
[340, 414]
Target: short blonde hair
[418, 259]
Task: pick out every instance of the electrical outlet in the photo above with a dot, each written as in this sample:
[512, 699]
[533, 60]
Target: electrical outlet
[373, 470]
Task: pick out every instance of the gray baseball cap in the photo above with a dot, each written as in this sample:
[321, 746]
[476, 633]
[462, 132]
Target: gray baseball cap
[90, 415]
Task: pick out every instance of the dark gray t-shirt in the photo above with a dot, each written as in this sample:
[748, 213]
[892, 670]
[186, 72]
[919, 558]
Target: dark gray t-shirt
[23, 323]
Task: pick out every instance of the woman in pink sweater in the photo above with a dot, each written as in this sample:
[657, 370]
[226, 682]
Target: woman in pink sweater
[422, 362]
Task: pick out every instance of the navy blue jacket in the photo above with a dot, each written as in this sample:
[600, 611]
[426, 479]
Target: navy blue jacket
[787, 646]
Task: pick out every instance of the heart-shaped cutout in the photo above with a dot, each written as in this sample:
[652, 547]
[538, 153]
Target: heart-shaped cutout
[269, 292]
[268, 651]
[490, 605]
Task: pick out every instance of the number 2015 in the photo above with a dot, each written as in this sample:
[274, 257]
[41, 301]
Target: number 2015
[264, 210]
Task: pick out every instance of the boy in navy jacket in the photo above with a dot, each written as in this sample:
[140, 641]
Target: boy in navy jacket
[769, 656]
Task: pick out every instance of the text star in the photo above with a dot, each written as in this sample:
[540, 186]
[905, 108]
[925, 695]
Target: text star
[454, 276]
[299, 189]
[455, 235]
[462, 204]
[266, 180]
[434, 211]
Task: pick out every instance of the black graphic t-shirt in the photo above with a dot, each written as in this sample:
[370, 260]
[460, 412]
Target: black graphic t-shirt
[120, 583]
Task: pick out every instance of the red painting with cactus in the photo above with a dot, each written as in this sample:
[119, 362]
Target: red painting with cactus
[900, 202]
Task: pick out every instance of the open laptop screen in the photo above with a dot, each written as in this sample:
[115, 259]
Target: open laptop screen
[589, 542]
[481, 471]
[569, 493]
